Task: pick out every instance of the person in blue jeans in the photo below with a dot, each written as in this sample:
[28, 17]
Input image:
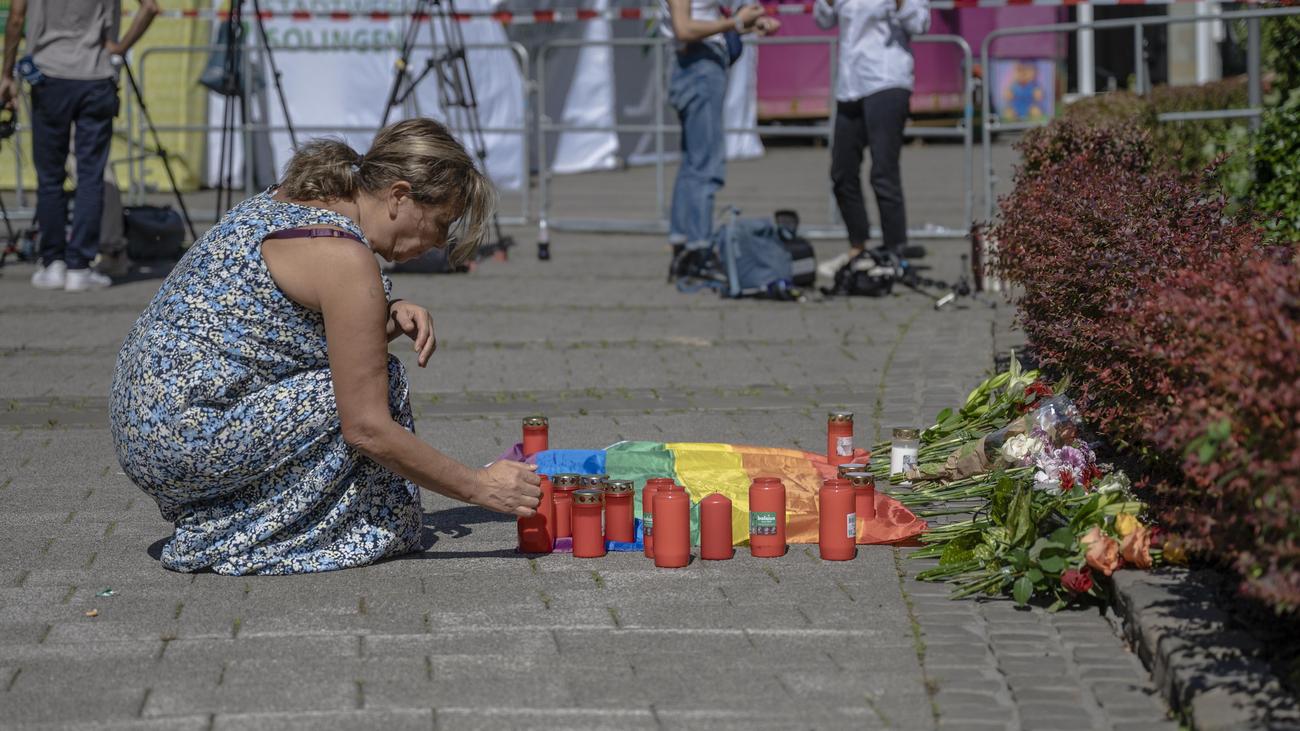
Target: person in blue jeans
[697, 90]
[73, 48]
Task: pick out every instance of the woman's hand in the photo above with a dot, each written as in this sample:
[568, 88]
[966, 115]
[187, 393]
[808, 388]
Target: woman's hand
[508, 487]
[416, 323]
[746, 17]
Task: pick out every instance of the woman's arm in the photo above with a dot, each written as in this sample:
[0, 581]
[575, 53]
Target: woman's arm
[824, 14]
[689, 30]
[341, 280]
[914, 16]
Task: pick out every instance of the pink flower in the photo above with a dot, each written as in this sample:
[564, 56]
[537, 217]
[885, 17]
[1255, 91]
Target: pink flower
[1101, 552]
[1137, 547]
[1078, 581]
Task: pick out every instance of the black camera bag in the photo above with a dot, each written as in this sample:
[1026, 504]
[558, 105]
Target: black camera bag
[153, 232]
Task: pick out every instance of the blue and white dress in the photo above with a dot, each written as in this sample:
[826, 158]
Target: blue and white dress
[223, 411]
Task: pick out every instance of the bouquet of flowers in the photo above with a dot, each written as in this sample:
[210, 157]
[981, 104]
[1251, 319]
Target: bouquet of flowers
[1046, 517]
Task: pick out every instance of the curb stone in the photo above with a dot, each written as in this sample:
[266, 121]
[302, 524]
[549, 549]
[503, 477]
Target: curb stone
[1208, 671]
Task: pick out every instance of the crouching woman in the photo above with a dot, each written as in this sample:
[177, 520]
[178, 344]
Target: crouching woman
[255, 399]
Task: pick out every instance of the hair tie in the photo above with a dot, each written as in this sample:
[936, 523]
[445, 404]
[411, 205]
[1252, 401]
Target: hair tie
[355, 168]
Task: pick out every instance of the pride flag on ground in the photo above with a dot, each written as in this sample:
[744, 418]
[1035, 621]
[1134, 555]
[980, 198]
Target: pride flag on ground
[706, 468]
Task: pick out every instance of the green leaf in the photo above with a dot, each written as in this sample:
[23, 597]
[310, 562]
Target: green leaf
[1052, 564]
[1063, 536]
[1020, 522]
[1022, 590]
[960, 549]
[1035, 575]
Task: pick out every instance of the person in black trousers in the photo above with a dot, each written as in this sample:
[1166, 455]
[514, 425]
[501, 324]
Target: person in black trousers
[873, 93]
[72, 47]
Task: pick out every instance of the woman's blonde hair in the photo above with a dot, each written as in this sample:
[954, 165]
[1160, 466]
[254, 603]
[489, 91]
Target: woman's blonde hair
[421, 152]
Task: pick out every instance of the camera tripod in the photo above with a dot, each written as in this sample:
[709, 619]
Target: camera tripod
[232, 86]
[456, 95]
[159, 150]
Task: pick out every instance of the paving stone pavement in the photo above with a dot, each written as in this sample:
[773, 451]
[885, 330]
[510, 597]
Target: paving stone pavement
[468, 634]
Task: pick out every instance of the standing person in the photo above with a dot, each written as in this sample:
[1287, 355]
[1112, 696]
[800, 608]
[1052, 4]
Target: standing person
[697, 90]
[72, 44]
[255, 399]
[872, 95]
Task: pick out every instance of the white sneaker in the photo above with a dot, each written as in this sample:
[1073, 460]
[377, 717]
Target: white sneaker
[50, 277]
[84, 280]
[827, 269]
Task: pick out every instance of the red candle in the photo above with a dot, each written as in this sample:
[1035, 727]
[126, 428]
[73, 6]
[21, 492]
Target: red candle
[588, 538]
[836, 521]
[537, 534]
[536, 435]
[619, 523]
[715, 528]
[648, 492]
[864, 501]
[848, 467]
[672, 529]
[839, 437]
[767, 517]
[564, 486]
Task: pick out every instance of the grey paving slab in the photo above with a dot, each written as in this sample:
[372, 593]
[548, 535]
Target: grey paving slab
[467, 634]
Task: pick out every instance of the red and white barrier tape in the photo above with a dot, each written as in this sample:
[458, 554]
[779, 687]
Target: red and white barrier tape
[506, 17]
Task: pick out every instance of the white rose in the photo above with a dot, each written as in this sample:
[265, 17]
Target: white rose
[1021, 448]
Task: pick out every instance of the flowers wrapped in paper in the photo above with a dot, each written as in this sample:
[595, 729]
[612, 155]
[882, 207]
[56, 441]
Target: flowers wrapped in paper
[1050, 429]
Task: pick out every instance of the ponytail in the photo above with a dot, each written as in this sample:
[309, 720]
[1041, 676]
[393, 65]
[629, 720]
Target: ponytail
[323, 169]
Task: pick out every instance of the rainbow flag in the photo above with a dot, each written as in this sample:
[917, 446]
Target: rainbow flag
[706, 468]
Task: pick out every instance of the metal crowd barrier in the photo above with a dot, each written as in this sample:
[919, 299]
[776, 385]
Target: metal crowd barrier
[1141, 77]
[660, 46]
[141, 145]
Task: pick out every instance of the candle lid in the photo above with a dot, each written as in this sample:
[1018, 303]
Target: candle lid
[593, 481]
[907, 432]
[840, 416]
[852, 467]
[861, 479]
[588, 496]
[535, 420]
[620, 487]
[565, 480]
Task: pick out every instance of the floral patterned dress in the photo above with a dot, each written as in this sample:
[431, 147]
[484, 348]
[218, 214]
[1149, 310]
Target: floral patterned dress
[223, 411]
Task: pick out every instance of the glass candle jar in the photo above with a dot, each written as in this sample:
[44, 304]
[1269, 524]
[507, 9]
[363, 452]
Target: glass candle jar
[837, 523]
[564, 484]
[839, 437]
[767, 517]
[537, 534]
[619, 525]
[848, 467]
[903, 451]
[536, 435]
[672, 528]
[864, 499]
[588, 537]
[652, 487]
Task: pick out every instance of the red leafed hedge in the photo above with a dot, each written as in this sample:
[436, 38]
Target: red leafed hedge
[1181, 328]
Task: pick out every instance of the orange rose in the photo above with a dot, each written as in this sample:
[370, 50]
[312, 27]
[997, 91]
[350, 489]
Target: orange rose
[1136, 548]
[1101, 552]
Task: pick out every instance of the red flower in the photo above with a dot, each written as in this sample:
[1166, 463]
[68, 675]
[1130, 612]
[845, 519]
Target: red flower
[1036, 392]
[1066, 479]
[1091, 474]
[1078, 581]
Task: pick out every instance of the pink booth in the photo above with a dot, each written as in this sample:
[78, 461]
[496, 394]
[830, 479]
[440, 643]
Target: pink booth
[794, 80]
